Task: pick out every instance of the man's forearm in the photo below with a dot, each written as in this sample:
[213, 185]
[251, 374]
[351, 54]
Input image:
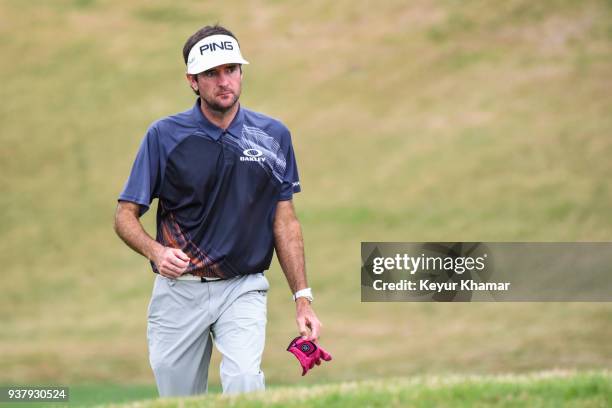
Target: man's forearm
[131, 231]
[290, 252]
[289, 246]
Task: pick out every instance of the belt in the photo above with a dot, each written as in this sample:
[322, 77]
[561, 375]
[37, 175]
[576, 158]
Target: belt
[190, 277]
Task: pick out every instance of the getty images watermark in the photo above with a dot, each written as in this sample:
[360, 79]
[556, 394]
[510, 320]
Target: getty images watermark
[477, 271]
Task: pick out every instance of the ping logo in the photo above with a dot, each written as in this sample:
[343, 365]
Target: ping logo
[252, 155]
[213, 46]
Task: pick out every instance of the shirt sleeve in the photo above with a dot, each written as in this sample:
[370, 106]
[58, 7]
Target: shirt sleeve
[142, 185]
[291, 178]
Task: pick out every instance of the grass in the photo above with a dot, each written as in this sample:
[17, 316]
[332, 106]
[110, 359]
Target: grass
[542, 389]
[90, 395]
[549, 389]
[430, 121]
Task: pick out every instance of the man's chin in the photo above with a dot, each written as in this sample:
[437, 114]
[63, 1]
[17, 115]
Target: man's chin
[221, 107]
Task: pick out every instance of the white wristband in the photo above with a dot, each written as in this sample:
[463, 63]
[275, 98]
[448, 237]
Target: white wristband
[307, 293]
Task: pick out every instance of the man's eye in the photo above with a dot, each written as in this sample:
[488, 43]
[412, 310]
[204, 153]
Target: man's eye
[231, 70]
[209, 74]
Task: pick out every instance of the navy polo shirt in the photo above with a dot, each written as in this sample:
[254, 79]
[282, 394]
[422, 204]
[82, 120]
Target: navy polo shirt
[217, 189]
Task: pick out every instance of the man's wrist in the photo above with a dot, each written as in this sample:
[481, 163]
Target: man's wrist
[303, 293]
[154, 250]
[302, 304]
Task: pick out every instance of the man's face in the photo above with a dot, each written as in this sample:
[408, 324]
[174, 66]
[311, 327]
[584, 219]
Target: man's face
[219, 87]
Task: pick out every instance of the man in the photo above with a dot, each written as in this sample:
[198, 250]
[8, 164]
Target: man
[224, 177]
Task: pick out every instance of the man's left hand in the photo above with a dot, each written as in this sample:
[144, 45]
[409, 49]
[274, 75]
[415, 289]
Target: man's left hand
[307, 321]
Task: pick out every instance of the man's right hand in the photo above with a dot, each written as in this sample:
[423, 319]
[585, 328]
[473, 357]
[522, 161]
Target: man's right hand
[171, 262]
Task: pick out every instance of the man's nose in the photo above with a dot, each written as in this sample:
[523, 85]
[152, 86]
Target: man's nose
[222, 79]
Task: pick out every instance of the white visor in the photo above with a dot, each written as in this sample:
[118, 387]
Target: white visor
[213, 51]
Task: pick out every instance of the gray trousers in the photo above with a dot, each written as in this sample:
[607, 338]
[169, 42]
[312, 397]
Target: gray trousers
[186, 317]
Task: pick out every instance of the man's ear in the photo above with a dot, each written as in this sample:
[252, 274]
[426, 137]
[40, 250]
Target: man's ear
[192, 80]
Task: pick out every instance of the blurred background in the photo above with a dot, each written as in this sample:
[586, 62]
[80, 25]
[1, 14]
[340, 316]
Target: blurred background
[412, 121]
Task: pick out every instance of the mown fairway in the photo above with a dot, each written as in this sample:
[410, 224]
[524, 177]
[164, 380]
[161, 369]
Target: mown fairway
[469, 121]
[547, 389]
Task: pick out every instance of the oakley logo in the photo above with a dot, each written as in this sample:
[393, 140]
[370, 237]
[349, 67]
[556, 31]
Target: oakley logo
[213, 46]
[252, 152]
[252, 155]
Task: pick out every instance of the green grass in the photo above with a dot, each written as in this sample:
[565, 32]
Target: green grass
[549, 389]
[543, 389]
[436, 121]
[89, 395]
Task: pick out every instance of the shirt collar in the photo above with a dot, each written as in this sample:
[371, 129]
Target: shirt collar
[214, 131]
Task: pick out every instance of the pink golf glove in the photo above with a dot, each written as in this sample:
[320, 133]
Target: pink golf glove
[307, 353]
